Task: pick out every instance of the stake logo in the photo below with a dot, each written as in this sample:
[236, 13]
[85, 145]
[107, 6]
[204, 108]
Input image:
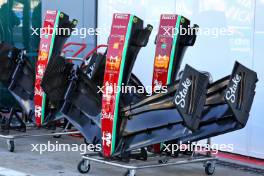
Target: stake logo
[106, 115]
[180, 97]
[90, 72]
[38, 92]
[231, 92]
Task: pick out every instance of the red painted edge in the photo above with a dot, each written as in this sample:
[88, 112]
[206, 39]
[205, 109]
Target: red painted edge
[241, 158]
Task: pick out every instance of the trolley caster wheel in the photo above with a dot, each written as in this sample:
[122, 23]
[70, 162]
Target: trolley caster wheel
[84, 166]
[130, 173]
[57, 136]
[11, 145]
[163, 161]
[209, 168]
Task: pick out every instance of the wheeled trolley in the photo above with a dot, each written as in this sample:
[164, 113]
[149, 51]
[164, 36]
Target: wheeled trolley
[30, 130]
[33, 132]
[154, 161]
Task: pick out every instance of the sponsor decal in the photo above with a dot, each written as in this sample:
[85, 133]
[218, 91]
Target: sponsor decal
[168, 17]
[108, 92]
[40, 70]
[120, 37]
[180, 97]
[38, 111]
[119, 27]
[44, 47]
[50, 20]
[162, 61]
[51, 12]
[38, 92]
[157, 85]
[114, 63]
[43, 55]
[121, 16]
[231, 91]
[106, 115]
[107, 138]
[116, 45]
[163, 46]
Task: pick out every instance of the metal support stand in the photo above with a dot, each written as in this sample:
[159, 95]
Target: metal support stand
[10, 138]
[154, 161]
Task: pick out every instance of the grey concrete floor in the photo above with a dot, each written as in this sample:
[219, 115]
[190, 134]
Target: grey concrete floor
[65, 163]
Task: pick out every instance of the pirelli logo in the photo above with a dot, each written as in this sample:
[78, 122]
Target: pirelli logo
[51, 12]
[168, 17]
[121, 16]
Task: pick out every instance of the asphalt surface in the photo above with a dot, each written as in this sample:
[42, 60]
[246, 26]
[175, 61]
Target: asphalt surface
[25, 162]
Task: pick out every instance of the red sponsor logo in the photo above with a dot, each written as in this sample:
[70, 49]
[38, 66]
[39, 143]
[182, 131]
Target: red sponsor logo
[121, 16]
[168, 17]
[51, 12]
